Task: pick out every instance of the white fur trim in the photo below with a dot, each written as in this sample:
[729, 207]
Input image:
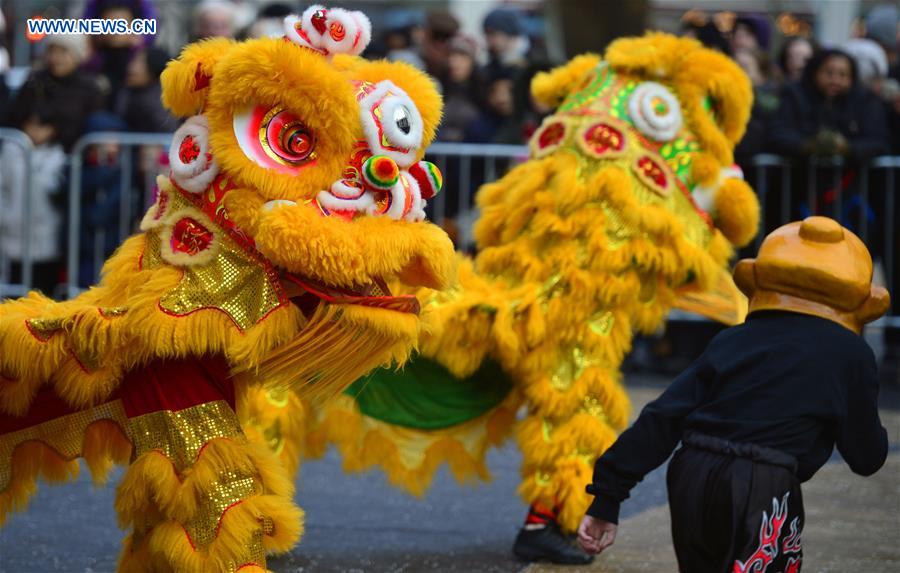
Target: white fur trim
[411, 141]
[640, 108]
[346, 192]
[277, 204]
[365, 31]
[363, 203]
[417, 209]
[732, 172]
[357, 32]
[290, 31]
[704, 197]
[197, 175]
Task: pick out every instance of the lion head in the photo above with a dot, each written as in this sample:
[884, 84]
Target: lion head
[307, 159]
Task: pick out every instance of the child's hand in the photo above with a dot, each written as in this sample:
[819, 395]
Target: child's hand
[595, 535]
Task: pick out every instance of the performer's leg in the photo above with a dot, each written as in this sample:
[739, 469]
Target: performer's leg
[541, 538]
[700, 504]
[200, 497]
[733, 514]
[573, 417]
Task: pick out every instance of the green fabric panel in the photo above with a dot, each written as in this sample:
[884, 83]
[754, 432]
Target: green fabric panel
[426, 396]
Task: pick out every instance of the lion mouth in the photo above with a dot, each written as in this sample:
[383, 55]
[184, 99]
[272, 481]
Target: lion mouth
[307, 293]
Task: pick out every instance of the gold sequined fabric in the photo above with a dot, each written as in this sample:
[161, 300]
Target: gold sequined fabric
[65, 435]
[180, 434]
[232, 282]
[44, 328]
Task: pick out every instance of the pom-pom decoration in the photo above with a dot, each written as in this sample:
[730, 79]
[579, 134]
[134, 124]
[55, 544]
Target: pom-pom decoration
[380, 172]
[736, 211]
[428, 177]
[192, 163]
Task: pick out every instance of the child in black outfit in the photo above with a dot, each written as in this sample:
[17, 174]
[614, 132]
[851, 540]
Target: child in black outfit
[760, 411]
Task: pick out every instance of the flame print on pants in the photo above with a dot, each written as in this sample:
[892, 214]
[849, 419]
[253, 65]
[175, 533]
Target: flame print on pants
[769, 534]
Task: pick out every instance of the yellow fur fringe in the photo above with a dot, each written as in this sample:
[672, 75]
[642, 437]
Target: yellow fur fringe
[410, 457]
[158, 501]
[103, 445]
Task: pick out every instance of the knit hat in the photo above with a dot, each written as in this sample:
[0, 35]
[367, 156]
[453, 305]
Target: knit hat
[871, 61]
[881, 24]
[759, 26]
[505, 20]
[76, 44]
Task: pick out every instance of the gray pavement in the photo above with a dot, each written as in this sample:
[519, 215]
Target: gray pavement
[357, 523]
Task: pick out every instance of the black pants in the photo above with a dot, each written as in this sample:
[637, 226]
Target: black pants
[736, 508]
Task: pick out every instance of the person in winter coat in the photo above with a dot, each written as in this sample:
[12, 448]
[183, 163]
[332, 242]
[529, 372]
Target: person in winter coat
[829, 113]
[60, 86]
[37, 182]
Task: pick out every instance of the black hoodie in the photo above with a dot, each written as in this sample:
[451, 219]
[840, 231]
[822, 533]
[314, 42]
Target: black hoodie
[791, 382]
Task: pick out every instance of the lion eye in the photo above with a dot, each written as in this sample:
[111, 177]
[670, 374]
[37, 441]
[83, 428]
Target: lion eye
[286, 137]
[391, 122]
[296, 144]
[275, 138]
[401, 119]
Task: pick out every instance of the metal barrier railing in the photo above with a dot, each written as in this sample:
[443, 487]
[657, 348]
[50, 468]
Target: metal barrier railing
[7, 287]
[461, 159]
[467, 166]
[126, 220]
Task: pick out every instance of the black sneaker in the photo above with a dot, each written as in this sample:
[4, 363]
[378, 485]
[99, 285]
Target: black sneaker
[551, 544]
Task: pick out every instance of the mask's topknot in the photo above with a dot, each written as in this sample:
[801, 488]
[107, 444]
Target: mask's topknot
[329, 31]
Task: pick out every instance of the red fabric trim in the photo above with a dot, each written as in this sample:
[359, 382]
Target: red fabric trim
[46, 406]
[176, 384]
[161, 385]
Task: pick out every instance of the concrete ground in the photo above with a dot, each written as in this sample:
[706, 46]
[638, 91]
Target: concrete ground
[359, 524]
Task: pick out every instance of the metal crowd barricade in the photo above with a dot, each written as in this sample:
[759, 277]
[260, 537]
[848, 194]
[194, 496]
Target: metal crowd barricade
[22, 286]
[127, 216]
[493, 160]
[467, 166]
[862, 197]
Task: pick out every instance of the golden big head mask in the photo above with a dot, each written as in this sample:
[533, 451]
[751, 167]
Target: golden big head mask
[815, 267]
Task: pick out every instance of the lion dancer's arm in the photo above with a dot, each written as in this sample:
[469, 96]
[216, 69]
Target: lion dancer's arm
[198, 495]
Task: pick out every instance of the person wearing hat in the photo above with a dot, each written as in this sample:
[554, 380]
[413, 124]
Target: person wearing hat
[50, 108]
[751, 32]
[507, 43]
[761, 410]
[60, 86]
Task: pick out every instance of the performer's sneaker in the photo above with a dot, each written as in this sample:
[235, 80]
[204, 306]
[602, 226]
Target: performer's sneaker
[549, 543]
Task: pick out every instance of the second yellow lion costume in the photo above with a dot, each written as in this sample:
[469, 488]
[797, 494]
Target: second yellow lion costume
[628, 206]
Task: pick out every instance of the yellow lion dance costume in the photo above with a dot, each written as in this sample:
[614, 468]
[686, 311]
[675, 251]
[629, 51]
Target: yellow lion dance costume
[628, 206]
[264, 258]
